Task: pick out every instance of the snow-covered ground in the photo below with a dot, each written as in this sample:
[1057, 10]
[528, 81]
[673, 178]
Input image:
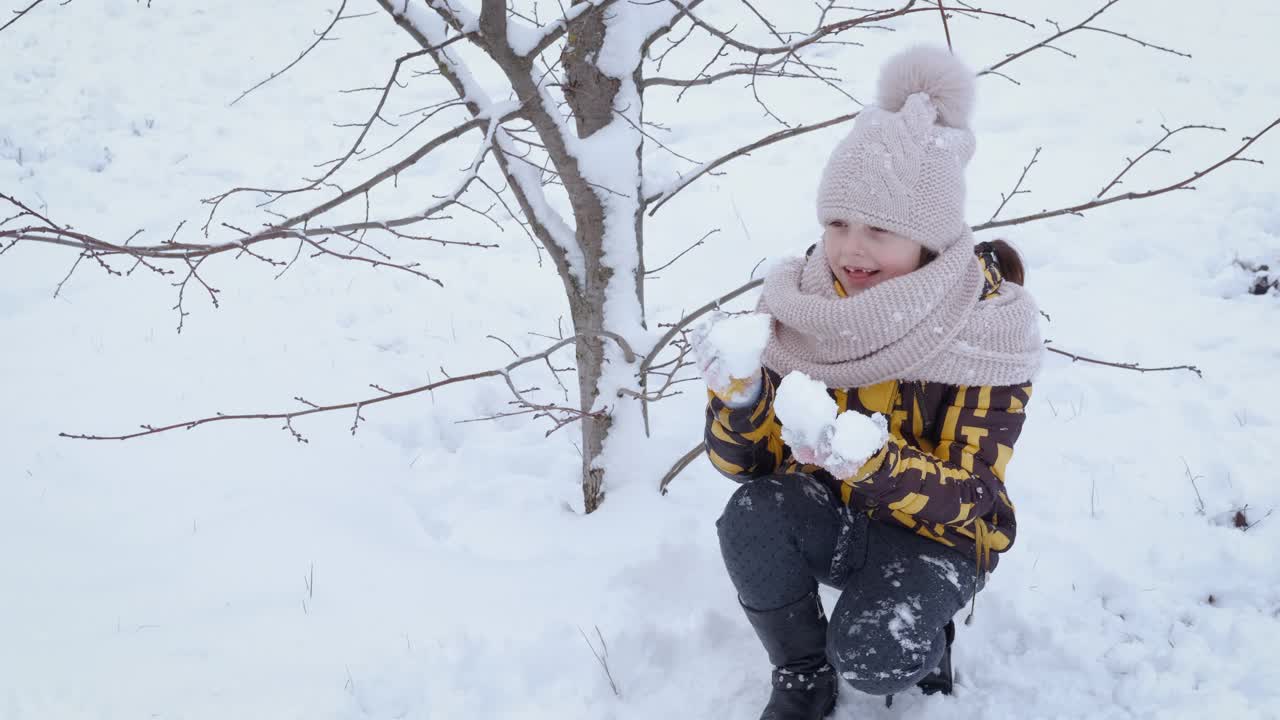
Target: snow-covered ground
[424, 568]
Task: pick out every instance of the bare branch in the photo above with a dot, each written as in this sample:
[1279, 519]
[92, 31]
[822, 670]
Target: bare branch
[1061, 33]
[18, 14]
[684, 252]
[823, 31]
[657, 200]
[1143, 43]
[340, 162]
[1184, 184]
[319, 39]
[680, 465]
[503, 372]
[1154, 148]
[945, 27]
[1126, 366]
[687, 319]
[1004, 199]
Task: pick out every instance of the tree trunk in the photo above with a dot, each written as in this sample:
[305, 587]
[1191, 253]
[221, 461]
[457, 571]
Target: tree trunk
[591, 94]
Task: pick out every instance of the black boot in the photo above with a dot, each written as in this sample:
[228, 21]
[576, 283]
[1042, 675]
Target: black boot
[795, 636]
[941, 679]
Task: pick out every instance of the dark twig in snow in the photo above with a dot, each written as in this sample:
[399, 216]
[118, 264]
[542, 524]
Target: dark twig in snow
[680, 465]
[1125, 366]
[602, 657]
[1192, 478]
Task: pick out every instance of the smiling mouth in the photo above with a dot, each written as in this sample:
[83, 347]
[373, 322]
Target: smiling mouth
[858, 273]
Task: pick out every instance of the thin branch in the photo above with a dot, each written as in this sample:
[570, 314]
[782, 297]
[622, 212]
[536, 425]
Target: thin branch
[672, 261]
[18, 14]
[687, 319]
[1143, 43]
[503, 372]
[602, 657]
[1047, 43]
[680, 465]
[657, 200]
[945, 27]
[1004, 199]
[338, 163]
[319, 39]
[1154, 148]
[1185, 184]
[1126, 366]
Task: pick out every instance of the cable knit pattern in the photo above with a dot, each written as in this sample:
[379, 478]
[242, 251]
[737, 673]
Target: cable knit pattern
[899, 168]
[926, 325]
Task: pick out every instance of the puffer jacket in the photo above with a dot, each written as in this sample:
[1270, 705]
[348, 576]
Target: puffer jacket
[941, 473]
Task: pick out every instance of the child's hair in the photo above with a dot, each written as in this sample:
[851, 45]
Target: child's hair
[1010, 261]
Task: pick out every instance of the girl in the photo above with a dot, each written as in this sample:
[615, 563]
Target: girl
[897, 313]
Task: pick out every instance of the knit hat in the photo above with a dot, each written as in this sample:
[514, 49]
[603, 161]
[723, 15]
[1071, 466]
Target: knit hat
[902, 166]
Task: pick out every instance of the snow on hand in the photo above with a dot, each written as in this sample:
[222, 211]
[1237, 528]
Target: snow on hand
[805, 410]
[811, 418]
[739, 342]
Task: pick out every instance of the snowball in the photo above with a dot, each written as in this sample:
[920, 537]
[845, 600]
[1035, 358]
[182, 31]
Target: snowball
[804, 408]
[858, 437]
[740, 341]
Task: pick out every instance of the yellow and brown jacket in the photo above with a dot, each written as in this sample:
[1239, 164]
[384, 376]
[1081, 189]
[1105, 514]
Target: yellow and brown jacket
[941, 473]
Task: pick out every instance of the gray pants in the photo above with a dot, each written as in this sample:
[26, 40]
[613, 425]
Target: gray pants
[781, 536]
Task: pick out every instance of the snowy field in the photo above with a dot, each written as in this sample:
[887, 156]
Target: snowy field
[427, 568]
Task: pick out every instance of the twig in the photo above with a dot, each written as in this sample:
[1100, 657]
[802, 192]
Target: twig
[1192, 478]
[1154, 148]
[687, 319]
[657, 200]
[603, 659]
[1126, 366]
[1004, 199]
[1047, 43]
[1185, 184]
[945, 27]
[683, 253]
[503, 372]
[680, 465]
[319, 39]
[18, 14]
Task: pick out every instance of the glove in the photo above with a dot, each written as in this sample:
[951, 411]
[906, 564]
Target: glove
[844, 444]
[728, 351]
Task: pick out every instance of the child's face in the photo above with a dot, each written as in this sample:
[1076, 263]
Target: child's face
[862, 256]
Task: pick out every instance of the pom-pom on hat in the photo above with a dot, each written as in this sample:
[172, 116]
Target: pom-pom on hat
[902, 166]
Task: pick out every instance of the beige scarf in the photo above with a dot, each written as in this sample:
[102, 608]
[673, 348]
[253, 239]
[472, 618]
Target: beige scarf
[927, 325]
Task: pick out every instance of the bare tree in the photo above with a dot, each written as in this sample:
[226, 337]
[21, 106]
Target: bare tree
[569, 131]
